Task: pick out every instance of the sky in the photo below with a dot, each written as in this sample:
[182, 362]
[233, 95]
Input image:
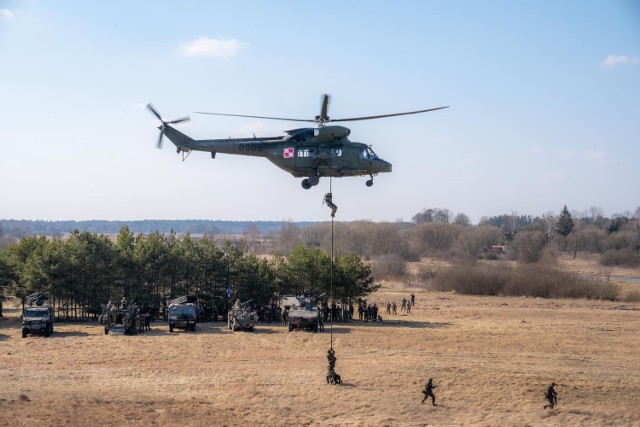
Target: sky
[544, 103]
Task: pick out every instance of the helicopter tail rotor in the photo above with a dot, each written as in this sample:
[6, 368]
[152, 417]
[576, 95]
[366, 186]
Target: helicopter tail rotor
[164, 124]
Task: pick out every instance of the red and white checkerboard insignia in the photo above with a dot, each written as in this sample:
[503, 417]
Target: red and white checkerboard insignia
[288, 153]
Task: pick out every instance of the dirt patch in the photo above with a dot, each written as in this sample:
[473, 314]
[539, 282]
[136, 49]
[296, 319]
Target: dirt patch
[491, 358]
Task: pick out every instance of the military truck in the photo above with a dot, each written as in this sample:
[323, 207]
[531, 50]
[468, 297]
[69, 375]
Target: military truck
[241, 317]
[182, 313]
[302, 312]
[39, 319]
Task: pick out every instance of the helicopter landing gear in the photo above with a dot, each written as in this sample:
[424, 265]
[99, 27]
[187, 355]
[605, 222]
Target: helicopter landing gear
[369, 182]
[312, 181]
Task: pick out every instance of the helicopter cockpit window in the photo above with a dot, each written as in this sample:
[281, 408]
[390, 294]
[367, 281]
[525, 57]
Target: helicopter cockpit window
[362, 153]
[307, 152]
[371, 154]
[336, 152]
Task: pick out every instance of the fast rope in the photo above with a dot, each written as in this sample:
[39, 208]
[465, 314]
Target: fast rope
[332, 376]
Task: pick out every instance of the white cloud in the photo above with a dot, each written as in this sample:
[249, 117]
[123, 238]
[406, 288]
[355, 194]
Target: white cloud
[614, 60]
[588, 155]
[594, 155]
[204, 46]
[6, 14]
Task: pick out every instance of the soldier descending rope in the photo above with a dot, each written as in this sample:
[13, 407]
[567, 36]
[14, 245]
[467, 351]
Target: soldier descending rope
[332, 377]
[328, 199]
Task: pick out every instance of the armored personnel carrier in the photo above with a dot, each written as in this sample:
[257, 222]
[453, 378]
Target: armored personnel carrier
[182, 313]
[39, 319]
[241, 317]
[302, 312]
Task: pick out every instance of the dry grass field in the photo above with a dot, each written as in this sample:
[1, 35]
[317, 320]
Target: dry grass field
[491, 358]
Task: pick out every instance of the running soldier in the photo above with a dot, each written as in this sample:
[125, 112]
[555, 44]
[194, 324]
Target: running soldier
[551, 396]
[428, 392]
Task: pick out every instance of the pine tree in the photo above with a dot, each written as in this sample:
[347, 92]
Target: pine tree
[565, 222]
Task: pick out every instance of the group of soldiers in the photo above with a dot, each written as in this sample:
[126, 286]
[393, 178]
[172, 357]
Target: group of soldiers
[405, 305]
[551, 395]
[367, 312]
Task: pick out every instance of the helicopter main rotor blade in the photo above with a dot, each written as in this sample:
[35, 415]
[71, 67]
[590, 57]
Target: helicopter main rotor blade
[155, 113]
[159, 144]
[180, 120]
[353, 119]
[255, 117]
[324, 113]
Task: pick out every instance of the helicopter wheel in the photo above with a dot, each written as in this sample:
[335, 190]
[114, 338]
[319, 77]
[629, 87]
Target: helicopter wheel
[369, 182]
[306, 184]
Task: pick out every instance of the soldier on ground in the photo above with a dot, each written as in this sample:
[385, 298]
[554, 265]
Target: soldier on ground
[428, 392]
[413, 299]
[551, 396]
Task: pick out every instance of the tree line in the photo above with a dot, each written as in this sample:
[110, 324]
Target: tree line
[89, 269]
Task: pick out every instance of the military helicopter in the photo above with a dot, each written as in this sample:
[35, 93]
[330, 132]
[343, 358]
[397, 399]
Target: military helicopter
[312, 153]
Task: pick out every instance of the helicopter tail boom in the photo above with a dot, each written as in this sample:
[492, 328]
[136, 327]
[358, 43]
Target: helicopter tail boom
[180, 140]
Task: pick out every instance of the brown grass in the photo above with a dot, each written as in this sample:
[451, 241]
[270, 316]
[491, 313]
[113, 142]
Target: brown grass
[492, 358]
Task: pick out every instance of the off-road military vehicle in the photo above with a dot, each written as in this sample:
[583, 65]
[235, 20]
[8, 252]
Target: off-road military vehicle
[241, 317]
[38, 319]
[302, 312]
[122, 320]
[182, 313]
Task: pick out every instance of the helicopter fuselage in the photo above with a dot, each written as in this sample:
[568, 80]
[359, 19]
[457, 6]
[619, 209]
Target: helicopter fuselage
[306, 152]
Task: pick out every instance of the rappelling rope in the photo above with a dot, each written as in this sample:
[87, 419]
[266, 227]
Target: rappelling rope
[331, 272]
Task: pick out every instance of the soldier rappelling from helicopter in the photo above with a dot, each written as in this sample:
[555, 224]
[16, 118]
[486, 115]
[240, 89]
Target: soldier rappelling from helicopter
[328, 199]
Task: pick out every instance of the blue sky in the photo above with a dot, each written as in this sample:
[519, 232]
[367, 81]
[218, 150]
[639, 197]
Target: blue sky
[544, 103]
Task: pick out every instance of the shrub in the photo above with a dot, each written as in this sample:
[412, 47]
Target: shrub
[471, 279]
[389, 266]
[531, 280]
[625, 257]
[633, 296]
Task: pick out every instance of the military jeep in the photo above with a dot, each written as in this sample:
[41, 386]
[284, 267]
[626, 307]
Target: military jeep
[37, 320]
[182, 313]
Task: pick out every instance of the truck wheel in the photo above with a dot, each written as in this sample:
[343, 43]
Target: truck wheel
[24, 332]
[170, 327]
[47, 331]
[290, 326]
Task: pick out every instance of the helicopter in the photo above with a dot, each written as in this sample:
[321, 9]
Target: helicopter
[309, 152]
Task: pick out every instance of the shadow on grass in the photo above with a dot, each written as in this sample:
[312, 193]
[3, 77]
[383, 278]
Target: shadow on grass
[64, 334]
[347, 385]
[404, 324]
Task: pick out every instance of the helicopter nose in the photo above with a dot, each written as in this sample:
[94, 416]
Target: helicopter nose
[383, 166]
